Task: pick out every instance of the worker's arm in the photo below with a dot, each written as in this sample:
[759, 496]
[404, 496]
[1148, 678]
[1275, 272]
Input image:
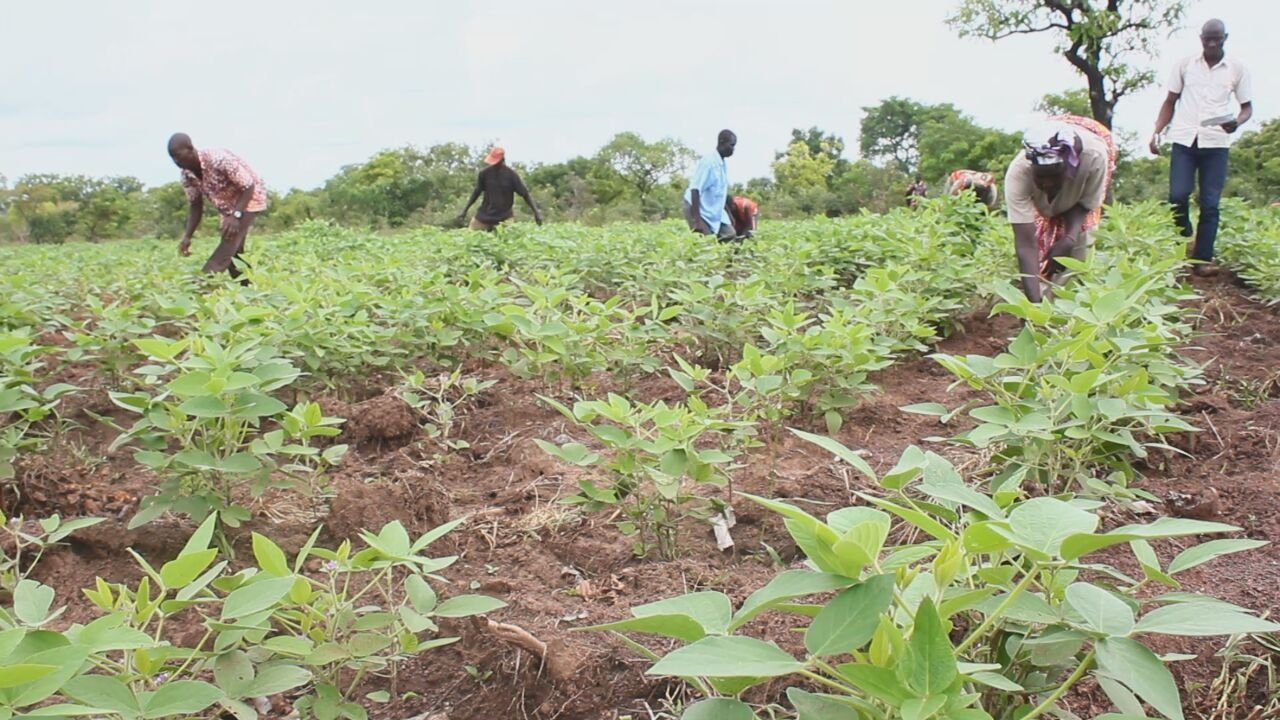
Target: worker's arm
[1024, 243]
[231, 224]
[695, 201]
[195, 213]
[1246, 112]
[1163, 118]
[1073, 221]
[475, 195]
[523, 192]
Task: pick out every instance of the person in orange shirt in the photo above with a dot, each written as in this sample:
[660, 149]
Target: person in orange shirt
[746, 215]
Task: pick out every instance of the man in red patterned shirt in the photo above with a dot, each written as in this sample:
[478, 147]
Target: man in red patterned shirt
[234, 189]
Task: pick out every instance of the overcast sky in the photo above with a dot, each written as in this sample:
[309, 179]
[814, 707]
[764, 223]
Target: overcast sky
[301, 88]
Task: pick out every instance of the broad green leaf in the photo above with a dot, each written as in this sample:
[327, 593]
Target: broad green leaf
[1101, 610]
[718, 709]
[182, 570]
[711, 610]
[849, 620]
[23, 673]
[269, 556]
[1202, 620]
[69, 661]
[1204, 552]
[276, 678]
[203, 535]
[103, 691]
[820, 707]
[881, 683]
[256, 597]
[206, 406]
[1042, 524]
[181, 697]
[681, 627]
[930, 665]
[240, 463]
[922, 708]
[727, 657]
[32, 601]
[965, 496]
[787, 586]
[467, 605]
[996, 680]
[1166, 527]
[234, 673]
[1138, 669]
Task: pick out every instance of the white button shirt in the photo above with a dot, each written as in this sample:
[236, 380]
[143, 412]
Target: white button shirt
[1205, 93]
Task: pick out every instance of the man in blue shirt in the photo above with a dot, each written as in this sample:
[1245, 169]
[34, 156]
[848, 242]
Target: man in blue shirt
[706, 199]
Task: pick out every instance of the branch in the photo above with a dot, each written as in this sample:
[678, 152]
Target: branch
[1027, 31]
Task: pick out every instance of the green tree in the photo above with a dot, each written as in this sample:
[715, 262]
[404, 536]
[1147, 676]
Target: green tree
[1255, 164]
[890, 131]
[870, 187]
[1068, 102]
[803, 176]
[645, 165]
[956, 142]
[821, 142]
[1101, 40]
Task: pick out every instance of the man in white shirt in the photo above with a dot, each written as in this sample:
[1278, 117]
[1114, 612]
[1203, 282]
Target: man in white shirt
[1199, 115]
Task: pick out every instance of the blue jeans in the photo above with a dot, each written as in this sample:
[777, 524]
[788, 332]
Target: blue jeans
[1211, 165]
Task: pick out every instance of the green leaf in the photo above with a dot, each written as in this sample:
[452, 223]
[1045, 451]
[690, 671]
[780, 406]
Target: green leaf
[850, 619]
[23, 673]
[929, 408]
[963, 495]
[420, 594]
[711, 610]
[69, 661]
[180, 571]
[240, 463]
[269, 556]
[234, 673]
[189, 384]
[468, 605]
[930, 665]
[718, 709]
[181, 697]
[879, 682]
[922, 708]
[819, 707]
[204, 406]
[680, 627]
[1165, 527]
[786, 586]
[203, 535]
[997, 681]
[31, 602]
[836, 448]
[103, 691]
[256, 597]
[727, 657]
[1101, 610]
[1133, 665]
[1042, 524]
[1202, 620]
[276, 678]
[1204, 552]
[256, 405]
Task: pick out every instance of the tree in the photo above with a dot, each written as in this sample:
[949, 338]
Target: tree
[1255, 164]
[891, 131]
[820, 142]
[1067, 102]
[645, 165]
[956, 142]
[803, 176]
[1100, 39]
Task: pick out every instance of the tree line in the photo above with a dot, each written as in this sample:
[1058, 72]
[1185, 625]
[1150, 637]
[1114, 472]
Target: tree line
[628, 179]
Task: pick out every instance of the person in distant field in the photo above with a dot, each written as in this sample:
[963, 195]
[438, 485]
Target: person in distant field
[982, 184]
[499, 184]
[706, 199]
[1054, 192]
[1197, 112]
[234, 189]
[916, 190]
[745, 214]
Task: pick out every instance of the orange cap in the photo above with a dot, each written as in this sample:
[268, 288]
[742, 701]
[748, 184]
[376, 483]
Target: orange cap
[495, 156]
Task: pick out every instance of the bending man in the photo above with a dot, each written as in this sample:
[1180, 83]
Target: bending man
[499, 184]
[706, 198]
[234, 189]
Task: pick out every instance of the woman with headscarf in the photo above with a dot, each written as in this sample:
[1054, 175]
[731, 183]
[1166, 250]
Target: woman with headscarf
[1054, 192]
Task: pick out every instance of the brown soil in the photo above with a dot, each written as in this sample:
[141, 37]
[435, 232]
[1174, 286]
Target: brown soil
[559, 571]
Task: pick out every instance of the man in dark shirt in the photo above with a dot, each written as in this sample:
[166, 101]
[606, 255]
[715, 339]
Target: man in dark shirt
[499, 184]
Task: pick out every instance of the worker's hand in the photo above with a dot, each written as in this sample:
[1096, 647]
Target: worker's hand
[230, 225]
[1230, 126]
[461, 220]
[184, 246]
[701, 226]
[537, 217]
[1154, 147]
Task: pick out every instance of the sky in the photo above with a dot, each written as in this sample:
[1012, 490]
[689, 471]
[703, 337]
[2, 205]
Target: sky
[300, 89]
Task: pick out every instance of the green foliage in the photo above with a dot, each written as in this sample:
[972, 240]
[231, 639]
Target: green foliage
[268, 629]
[1104, 42]
[988, 615]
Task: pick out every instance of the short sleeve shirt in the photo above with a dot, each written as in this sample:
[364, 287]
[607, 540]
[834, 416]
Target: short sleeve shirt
[224, 177]
[1204, 93]
[499, 184]
[711, 180]
[1088, 188]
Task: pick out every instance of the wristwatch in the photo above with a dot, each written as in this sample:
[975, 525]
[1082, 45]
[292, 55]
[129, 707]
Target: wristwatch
[237, 214]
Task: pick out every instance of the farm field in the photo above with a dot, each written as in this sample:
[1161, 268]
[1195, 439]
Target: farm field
[409, 476]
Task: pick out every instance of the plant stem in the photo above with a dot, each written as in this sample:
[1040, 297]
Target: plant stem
[991, 619]
[848, 694]
[1074, 678]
